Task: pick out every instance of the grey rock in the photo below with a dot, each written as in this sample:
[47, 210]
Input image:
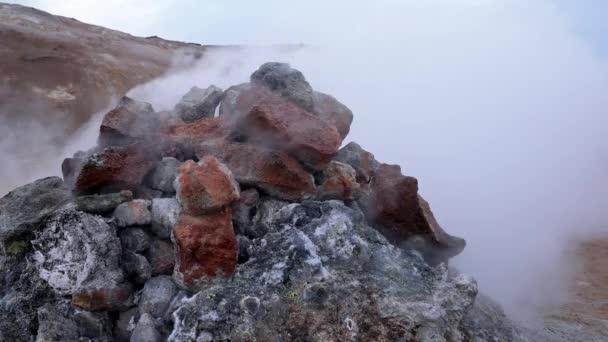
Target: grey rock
[163, 175]
[228, 106]
[136, 266]
[76, 251]
[93, 325]
[61, 322]
[131, 121]
[125, 325]
[198, 103]
[144, 192]
[146, 330]
[161, 256]
[286, 81]
[101, 204]
[244, 244]
[157, 295]
[362, 161]
[165, 213]
[134, 239]
[244, 209]
[333, 112]
[133, 213]
[23, 209]
[262, 220]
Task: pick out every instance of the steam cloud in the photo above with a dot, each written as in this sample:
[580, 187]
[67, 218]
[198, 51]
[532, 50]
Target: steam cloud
[497, 107]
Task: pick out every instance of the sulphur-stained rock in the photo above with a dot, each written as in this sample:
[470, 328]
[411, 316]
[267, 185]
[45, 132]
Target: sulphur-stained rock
[286, 81]
[112, 297]
[156, 296]
[114, 168]
[131, 121]
[161, 256]
[101, 204]
[165, 212]
[164, 174]
[397, 210]
[198, 103]
[133, 213]
[206, 186]
[244, 209]
[273, 172]
[334, 112]
[267, 119]
[134, 239]
[206, 248]
[339, 182]
[23, 209]
[362, 161]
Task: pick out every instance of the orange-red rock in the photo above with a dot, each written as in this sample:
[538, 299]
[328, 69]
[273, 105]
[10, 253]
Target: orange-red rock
[178, 139]
[361, 160]
[205, 186]
[339, 183]
[131, 121]
[274, 172]
[114, 169]
[206, 247]
[111, 298]
[265, 118]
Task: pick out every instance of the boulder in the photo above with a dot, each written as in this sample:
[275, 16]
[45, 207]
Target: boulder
[339, 183]
[136, 266]
[198, 103]
[285, 81]
[399, 213]
[25, 208]
[165, 212]
[101, 204]
[333, 112]
[157, 295]
[362, 161]
[273, 172]
[179, 139]
[164, 174]
[206, 248]
[206, 186]
[229, 105]
[161, 256]
[267, 119]
[244, 209]
[131, 121]
[113, 297]
[145, 330]
[114, 168]
[133, 213]
[134, 239]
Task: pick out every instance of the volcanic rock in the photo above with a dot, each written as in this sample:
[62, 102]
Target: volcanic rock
[333, 112]
[156, 296]
[136, 266]
[286, 81]
[164, 174]
[339, 182]
[243, 210]
[134, 213]
[125, 325]
[113, 297]
[206, 186]
[145, 330]
[179, 140]
[206, 248]
[161, 256]
[130, 122]
[198, 103]
[134, 239]
[362, 161]
[101, 204]
[165, 213]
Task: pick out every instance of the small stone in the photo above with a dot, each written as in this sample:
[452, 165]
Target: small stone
[113, 297]
[286, 81]
[362, 161]
[125, 325]
[134, 239]
[93, 324]
[101, 204]
[134, 213]
[156, 296]
[146, 193]
[199, 103]
[136, 266]
[339, 183]
[333, 112]
[243, 210]
[165, 213]
[145, 330]
[244, 244]
[164, 175]
[161, 256]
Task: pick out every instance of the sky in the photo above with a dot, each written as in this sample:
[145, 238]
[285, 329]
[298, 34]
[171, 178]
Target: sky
[498, 107]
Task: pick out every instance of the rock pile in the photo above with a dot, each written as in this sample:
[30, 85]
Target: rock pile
[250, 225]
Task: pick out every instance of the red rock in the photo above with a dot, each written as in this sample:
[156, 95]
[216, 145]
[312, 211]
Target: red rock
[333, 112]
[272, 171]
[398, 212]
[179, 139]
[205, 186]
[362, 161]
[114, 168]
[265, 118]
[131, 121]
[206, 247]
[111, 298]
[339, 183]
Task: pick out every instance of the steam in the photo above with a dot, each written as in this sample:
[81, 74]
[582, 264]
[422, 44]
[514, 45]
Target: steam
[497, 107]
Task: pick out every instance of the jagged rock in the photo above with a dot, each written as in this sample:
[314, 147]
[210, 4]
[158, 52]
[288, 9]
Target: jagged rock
[339, 183]
[286, 81]
[23, 210]
[362, 161]
[267, 119]
[131, 121]
[145, 330]
[165, 213]
[70, 167]
[179, 140]
[271, 171]
[243, 210]
[125, 325]
[94, 252]
[146, 193]
[157, 295]
[396, 209]
[114, 168]
[244, 244]
[94, 325]
[133, 213]
[333, 112]
[55, 324]
[261, 220]
[206, 186]
[323, 274]
[164, 175]
[134, 239]
[206, 248]
[486, 321]
[136, 266]
[161, 256]
[114, 297]
[199, 103]
[228, 105]
[101, 204]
